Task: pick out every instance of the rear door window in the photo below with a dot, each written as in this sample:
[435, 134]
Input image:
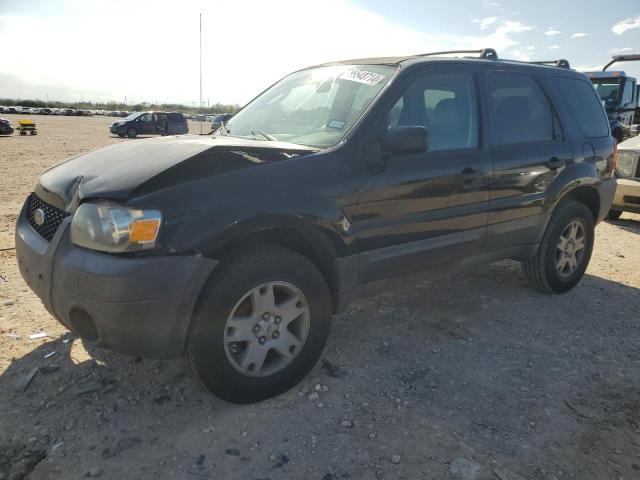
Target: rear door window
[584, 105]
[521, 111]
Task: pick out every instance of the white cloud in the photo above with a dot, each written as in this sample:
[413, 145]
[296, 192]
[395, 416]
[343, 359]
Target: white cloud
[554, 47]
[587, 68]
[490, 4]
[239, 59]
[551, 32]
[617, 51]
[485, 22]
[626, 24]
[579, 35]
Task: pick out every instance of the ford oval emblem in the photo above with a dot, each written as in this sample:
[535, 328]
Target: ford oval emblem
[39, 216]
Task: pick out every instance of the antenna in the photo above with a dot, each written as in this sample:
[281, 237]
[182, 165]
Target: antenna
[200, 106]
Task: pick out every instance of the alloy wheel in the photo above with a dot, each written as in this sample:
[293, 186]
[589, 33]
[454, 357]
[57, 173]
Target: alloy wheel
[570, 248]
[267, 329]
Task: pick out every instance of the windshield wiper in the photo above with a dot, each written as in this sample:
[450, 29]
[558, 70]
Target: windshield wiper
[265, 135]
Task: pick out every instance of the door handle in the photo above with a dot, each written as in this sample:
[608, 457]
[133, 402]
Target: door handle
[554, 163]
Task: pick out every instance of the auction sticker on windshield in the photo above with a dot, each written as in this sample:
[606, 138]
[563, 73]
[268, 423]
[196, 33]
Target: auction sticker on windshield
[361, 76]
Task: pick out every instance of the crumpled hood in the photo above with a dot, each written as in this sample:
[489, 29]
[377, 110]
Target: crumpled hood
[136, 167]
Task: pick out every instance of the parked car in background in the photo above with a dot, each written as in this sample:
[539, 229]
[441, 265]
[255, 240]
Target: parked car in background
[220, 119]
[150, 123]
[627, 197]
[5, 127]
[338, 181]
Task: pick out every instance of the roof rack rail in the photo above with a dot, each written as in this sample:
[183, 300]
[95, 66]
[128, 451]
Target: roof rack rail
[488, 53]
[621, 58]
[560, 63]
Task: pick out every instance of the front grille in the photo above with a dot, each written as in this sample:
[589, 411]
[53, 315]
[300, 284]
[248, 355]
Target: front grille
[53, 217]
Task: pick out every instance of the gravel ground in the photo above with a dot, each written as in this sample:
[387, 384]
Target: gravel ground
[473, 376]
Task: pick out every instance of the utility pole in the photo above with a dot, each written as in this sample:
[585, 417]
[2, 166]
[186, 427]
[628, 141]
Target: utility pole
[200, 108]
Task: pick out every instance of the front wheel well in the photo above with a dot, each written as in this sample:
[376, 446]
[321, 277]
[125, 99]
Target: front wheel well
[588, 196]
[314, 246]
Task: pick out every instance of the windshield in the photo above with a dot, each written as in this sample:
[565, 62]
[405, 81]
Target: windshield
[133, 116]
[608, 88]
[315, 107]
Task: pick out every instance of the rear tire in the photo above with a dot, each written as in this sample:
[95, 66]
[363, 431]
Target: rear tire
[565, 249]
[132, 133]
[614, 214]
[234, 305]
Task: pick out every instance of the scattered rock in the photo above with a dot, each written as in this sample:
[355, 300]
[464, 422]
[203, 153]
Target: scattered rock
[331, 369]
[463, 468]
[313, 396]
[234, 452]
[395, 459]
[346, 424]
[94, 472]
[8, 303]
[162, 399]
[372, 435]
[35, 336]
[280, 460]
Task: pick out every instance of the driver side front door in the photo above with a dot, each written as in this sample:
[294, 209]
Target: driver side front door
[425, 209]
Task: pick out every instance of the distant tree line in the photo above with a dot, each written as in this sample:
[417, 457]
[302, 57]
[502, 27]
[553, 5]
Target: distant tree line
[138, 107]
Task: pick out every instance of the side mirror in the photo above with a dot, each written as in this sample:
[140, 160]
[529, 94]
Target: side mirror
[407, 139]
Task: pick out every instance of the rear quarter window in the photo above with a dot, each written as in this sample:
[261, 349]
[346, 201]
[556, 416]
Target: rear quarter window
[584, 104]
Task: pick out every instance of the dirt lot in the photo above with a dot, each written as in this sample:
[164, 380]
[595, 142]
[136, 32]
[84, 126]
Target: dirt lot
[474, 376]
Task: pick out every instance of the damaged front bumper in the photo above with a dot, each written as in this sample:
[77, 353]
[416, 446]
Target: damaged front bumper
[136, 305]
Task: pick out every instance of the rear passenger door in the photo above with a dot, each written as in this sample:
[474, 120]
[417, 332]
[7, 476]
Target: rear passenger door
[529, 150]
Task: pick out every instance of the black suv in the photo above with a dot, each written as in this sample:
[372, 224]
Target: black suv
[150, 123]
[340, 180]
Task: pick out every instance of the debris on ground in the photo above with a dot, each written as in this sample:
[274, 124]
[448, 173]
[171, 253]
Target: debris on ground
[25, 381]
[35, 336]
[88, 387]
[49, 368]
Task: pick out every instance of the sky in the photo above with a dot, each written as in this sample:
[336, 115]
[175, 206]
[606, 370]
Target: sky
[148, 50]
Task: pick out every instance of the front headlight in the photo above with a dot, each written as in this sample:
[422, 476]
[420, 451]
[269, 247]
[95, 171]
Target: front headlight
[109, 227]
[626, 163]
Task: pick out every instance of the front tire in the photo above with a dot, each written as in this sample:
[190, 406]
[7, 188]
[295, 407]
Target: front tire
[132, 133]
[260, 324]
[565, 249]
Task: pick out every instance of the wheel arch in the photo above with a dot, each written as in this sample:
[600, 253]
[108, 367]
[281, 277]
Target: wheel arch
[308, 241]
[586, 194]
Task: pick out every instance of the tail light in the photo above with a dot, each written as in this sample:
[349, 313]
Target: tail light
[614, 161]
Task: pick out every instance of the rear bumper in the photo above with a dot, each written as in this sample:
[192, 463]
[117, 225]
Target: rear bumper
[627, 196]
[607, 192]
[139, 306]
